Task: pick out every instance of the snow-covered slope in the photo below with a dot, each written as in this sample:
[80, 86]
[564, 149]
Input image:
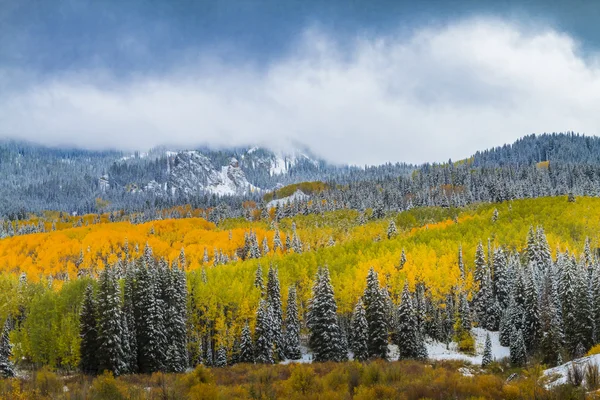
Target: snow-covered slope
[192, 173]
[276, 163]
[298, 195]
[558, 375]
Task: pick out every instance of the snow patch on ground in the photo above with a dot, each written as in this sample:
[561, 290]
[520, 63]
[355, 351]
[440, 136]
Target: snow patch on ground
[558, 375]
[298, 195]
[439, 351]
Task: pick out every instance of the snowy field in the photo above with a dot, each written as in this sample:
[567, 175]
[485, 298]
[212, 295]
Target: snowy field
[439, 351]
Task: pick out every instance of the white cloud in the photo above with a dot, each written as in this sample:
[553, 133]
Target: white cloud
[441, 93]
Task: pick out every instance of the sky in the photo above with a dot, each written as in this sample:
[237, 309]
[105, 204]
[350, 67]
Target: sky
[357, 82]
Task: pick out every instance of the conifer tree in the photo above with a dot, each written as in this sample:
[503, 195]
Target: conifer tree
[480, 277]
[292, 327]
[531, 315]
[518, 353]
[246, 346]
[296, 243]
[325, 333]
[360, 333]
[375, 313]
[464, 312]
[129, 328]
[110, 350]
[402, 260]
[391, 230]
[6, 366]
[88, 349]
[221, 360]
[277, 241]
[209, 360]
[501, 278]
[258, 279]
[409, 339]
[550, 329]
[487, 352]
[274, 300]
[176, 320]
[148, 317]
[461, 264]
[263, 347]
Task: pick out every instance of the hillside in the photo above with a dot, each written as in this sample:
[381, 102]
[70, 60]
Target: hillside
[39, 178]
[225, 289]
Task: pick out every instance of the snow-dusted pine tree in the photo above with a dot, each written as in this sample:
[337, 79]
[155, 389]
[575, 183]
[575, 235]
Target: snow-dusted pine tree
[487, 352]
[409, 339]
[518, 353]
[88, 349]
[258, 279]
[221, 360]
[325, 333]
[274, 300]
[7, 369]
[376, 318]
[292, 327]
[246, 346]
[263, 346]
[148, 316]
[391, 230]
[110, 332]
[359, 337]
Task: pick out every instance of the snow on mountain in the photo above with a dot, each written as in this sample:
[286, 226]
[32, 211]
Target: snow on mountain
[193, 173]
[298, 195]
[277, 163]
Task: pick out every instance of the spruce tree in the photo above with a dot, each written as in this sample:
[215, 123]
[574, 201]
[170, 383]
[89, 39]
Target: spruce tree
[6, 366]
[518, 353]
[501, 278]
[246, 346]
[277, 241]
[461, 263]
[292, 327]
[258, 279]
[148, 316]
[325, 333]
[391, 230]
[221, 360]
[487, 352]
[376, 318]
[263, 347]
[274, 300]
[88, 349]
[110, 350]
[176, 321]
[531, 315]
[480, 277]
[359, 333]
[409, 340]
[550, 329]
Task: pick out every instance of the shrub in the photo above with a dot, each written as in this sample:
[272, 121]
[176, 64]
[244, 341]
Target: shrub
[106, 387]
[47, 382]
[594, 350]
[592, 376]
[575, 374]
[303, 379]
